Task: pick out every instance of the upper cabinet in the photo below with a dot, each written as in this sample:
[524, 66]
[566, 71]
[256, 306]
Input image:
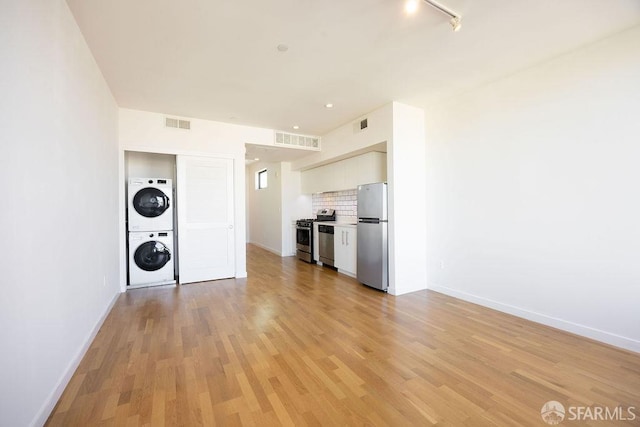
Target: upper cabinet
[346, 174]
[371, 167]
[312, 181]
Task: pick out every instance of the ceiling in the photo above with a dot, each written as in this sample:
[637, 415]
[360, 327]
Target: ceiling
[219, 60]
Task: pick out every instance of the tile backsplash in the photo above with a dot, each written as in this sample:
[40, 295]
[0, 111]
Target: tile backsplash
[344, 202]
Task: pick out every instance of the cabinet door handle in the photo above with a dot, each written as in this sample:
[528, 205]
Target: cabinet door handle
[347, 237]
[343, 237]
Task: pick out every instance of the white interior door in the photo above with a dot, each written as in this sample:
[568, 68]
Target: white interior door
[205, 218]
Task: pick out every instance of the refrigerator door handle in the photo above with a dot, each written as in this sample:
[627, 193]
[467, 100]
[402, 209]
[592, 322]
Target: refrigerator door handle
[370, 220]
[347, 233]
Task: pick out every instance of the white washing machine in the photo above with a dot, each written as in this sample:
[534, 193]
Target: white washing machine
[150, 205]
[151, 258]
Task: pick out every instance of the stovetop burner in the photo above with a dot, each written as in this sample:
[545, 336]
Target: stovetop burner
[323, 215]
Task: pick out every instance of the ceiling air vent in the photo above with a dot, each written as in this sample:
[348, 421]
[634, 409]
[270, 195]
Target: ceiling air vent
[176, 123]
[293, 140]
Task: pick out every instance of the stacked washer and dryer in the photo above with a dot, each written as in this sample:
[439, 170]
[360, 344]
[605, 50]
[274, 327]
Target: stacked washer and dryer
[150, 226]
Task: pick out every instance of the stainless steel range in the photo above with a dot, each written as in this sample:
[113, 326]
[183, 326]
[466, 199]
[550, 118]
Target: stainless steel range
[304, 239]
[304, 234]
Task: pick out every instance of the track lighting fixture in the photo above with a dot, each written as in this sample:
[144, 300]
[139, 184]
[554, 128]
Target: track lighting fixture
[455, 23]
[456, 19]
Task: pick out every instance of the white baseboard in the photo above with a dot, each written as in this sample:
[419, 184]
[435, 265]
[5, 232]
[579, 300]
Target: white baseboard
[347, 273]
[565, 325]
[50, 402]
[266, 248]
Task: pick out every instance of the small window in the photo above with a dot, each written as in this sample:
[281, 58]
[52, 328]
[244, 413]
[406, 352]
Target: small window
[262, 179]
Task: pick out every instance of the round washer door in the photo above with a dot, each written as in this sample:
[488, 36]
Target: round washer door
[151, 256]
[150, 202]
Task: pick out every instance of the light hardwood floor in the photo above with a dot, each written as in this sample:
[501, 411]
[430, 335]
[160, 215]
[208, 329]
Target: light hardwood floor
[296, 344]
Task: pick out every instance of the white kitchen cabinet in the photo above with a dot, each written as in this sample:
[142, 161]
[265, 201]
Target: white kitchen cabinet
[346, 174]
[345, 249]
[314, 180]
[351, 172]
[371, 167]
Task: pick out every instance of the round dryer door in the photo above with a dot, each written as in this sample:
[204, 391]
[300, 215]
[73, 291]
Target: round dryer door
[150, 202]
[151, 256]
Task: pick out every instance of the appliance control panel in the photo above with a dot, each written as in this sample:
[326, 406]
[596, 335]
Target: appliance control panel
[327, 212]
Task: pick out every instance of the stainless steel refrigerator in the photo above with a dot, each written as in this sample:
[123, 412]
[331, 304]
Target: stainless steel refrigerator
[372, 236]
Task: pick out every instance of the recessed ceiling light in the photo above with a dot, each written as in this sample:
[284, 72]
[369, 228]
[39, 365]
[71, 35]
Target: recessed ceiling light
[329, 105]
[411, 6]
[256, 159]
[296, 127]
[283, 48]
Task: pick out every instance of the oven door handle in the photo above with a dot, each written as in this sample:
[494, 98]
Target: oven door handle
[302, 228]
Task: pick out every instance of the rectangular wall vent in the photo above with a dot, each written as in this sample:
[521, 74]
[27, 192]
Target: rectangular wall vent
[293, 140]
[360, 125]
[176, 123]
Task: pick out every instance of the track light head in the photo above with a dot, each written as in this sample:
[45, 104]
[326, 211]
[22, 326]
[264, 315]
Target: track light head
[456, 23]
[456, 19]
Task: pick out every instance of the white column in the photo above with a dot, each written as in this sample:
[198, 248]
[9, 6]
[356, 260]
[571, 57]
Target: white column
[406, 162]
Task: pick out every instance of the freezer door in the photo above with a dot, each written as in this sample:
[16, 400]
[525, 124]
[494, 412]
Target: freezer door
[372, 201]
[372, 255]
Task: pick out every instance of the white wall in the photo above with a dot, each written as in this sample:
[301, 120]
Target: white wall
[271, 211]
[145, 132]
[533, 193]
[248, 185]
[265, 207]
[150, 165]
[59, 210]
[342, 142]
[406, 163]
[295, 205]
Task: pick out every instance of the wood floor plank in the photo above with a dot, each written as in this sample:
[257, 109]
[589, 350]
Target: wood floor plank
[298, 344]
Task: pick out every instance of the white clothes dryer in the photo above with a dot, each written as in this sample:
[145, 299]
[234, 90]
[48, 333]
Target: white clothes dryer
[150, 205]
[151, 258]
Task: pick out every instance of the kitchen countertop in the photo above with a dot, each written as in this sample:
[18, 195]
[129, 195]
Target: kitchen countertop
[337, 223]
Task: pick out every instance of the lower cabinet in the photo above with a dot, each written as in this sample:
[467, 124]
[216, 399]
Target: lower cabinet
[345, 248]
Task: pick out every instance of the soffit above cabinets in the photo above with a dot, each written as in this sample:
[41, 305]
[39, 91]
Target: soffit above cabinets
[270, 154]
